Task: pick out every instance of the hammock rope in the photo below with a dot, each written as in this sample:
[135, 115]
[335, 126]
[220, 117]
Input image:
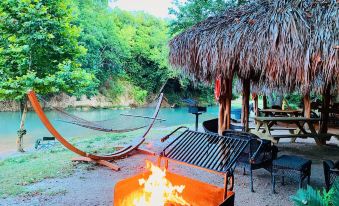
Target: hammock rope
[91, 157]
[93, 125]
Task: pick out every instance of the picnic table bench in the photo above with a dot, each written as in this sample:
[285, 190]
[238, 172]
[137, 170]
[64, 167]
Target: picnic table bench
[264, 128]
[275, 112]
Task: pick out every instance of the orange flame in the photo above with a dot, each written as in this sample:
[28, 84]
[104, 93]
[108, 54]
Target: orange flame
[158, 190]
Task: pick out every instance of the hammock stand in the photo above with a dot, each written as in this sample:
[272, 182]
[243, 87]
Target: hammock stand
[87, 157]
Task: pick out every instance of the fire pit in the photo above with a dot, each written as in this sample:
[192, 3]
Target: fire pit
[209, 152]
[157, 188]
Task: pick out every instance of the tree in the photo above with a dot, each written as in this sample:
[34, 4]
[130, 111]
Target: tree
[147, 39]
[39, 50]
[106, 49]
[191, 12]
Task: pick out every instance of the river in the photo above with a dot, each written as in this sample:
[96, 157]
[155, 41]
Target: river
[9, 123]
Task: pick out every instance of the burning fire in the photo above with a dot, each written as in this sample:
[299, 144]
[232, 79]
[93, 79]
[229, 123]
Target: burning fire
[158, 190]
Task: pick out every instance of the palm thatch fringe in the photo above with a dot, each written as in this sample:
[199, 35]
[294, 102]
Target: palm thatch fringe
[284, 44]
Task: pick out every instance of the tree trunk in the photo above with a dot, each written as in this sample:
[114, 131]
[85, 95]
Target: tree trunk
[22, 131]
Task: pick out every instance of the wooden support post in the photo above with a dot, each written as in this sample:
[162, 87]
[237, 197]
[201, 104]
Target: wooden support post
[245, 103]
[225, 106]
[228, 103]
[264, 102]
[256, 104]
[221, 123]
[307, 105]
[324, 113]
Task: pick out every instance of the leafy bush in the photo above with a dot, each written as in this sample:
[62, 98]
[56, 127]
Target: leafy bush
[113, 88]
[139, 95]
[313, 197]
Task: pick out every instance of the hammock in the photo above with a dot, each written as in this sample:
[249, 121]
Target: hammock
[93, 125]
[100, 159]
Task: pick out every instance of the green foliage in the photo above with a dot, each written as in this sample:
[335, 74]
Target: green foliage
[147, 40]
[113, 88]
[44, 44]
[125, 45]
[139, 95]
[313, 197]
[191, 12]
[294, 100]
[39, 49]
[107, 51]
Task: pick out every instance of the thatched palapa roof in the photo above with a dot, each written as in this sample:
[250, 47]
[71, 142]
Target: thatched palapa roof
[287, 44]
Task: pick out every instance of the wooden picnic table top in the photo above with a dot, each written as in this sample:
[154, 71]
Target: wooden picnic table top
[286, 119]
[331, 110]
[281, 111]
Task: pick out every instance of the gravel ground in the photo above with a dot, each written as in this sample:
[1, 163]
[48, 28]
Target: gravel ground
[93, 185]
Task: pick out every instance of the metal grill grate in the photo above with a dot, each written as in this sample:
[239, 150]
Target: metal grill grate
[209, 151]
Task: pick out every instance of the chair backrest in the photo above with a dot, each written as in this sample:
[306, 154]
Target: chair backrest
[211, 126]
[258, 149]
[327, 164]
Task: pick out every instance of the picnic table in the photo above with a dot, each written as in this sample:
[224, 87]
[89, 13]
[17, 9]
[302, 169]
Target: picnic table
[275, 112]
[265, 126]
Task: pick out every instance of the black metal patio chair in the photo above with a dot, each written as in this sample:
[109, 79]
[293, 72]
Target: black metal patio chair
[258, 154]
[211, 126]
[331, 172]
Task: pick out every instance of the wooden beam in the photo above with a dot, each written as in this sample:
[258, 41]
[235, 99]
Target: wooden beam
[228, 103]
[325, 107]
[225, 106]
[256, 104]
[307, 105]
[245, 103]
[221, 122]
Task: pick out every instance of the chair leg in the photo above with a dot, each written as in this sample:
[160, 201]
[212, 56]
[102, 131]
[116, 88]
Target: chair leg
[251, 177]
[273, 184]
[308, 179]
[244, 171]
[300, 183]
[282, 180]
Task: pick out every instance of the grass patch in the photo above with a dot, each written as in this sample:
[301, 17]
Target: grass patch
[17, 172]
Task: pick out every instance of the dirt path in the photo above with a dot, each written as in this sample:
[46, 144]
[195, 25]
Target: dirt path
[93, 185]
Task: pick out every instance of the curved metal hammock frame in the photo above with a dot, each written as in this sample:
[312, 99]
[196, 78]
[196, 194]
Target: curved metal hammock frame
[88, 156]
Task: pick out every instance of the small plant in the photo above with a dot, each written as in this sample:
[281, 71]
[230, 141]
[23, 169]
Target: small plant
[313, 197]
[139, 95]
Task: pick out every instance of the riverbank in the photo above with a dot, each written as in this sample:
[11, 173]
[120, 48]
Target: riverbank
[65, 101]
[50, 178]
